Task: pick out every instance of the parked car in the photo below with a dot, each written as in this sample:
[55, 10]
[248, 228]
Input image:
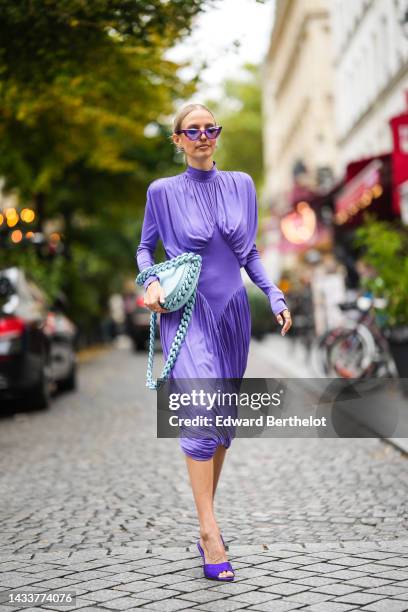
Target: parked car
[137, 319]
[37, 343]
[62, 333]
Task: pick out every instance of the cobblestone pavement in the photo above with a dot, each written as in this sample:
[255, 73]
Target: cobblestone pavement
[92, 502]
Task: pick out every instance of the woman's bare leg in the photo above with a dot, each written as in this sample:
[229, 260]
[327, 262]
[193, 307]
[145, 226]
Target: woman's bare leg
[218, 458]
[201, 475]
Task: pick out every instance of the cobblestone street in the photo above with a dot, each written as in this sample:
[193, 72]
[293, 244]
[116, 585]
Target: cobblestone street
[92, 502]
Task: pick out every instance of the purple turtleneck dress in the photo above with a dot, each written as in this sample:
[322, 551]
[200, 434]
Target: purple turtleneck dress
[213, 213]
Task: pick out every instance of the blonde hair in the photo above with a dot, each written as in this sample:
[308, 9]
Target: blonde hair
[182, 113]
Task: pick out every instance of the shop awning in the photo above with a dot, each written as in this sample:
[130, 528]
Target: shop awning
[359, 192]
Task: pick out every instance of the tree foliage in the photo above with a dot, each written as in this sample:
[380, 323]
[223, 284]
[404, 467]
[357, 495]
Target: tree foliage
[79, 82]
[239, 112]
[385, 243]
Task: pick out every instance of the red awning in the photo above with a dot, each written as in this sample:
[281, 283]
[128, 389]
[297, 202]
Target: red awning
[399, 126]
[360, 191]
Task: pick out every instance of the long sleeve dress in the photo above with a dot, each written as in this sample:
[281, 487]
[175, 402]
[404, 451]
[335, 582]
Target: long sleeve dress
[213, 213]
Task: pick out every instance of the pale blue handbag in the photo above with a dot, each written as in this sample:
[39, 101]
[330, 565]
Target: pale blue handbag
[179, 278]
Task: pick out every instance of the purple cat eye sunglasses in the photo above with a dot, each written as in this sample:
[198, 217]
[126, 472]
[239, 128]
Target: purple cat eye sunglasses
[194, 133]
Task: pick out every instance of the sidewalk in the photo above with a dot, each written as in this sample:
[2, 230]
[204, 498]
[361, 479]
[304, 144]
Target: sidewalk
[280, 577]
[286, 357]
[93, 503]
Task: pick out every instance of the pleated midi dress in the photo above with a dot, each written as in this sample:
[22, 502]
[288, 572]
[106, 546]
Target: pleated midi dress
[213, 213]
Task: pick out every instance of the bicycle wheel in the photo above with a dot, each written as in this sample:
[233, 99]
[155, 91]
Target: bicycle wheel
[351, 354]
[320, 351]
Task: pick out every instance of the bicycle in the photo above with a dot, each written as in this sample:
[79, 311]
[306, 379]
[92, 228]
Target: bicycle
[357, 349]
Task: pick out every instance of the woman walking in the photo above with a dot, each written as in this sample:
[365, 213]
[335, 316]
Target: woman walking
[214, 213]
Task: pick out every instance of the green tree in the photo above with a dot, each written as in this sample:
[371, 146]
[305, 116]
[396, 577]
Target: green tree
[239, 112]
[384, 243]
[79, 82]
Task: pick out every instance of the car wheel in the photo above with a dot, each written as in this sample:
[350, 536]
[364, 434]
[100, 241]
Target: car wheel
[39, 397]
[138, 345]
[70, 382]
[141, 345]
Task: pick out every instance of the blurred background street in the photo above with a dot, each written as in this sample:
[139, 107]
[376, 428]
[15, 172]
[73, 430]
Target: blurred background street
[313, 99]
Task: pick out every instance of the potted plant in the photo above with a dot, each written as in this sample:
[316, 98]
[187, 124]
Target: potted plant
[385, 248]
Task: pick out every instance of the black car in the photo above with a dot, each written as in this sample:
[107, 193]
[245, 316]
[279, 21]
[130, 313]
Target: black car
[36, 344]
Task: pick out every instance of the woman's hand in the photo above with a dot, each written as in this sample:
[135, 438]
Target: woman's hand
[153, 295]
[288, 321]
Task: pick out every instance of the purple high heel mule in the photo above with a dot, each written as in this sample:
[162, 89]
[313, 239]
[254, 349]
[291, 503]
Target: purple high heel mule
[211, 570]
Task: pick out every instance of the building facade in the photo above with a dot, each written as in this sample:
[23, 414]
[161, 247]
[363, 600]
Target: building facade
[298, 104]
[370, 55]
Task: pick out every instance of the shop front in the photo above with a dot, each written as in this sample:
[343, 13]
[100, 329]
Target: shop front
[367, 188]
[399, 127]
[310, 275]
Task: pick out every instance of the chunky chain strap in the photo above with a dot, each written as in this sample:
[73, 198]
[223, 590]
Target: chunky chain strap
[192, 275]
